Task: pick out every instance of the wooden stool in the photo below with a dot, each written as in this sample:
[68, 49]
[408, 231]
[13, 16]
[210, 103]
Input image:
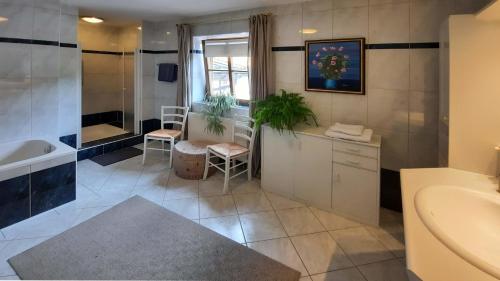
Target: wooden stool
[189, 159]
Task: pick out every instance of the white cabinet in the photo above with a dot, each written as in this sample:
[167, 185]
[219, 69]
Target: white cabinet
[312, 171]
[330, 174]
[277, 161]
[356, 193]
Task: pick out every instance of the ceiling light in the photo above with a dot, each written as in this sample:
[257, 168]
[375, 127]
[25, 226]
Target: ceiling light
[2, 19]
[139, 28]
[308, 31]
[92, 19]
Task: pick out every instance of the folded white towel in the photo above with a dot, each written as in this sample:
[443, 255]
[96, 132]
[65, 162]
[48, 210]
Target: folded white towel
[365, 137]
[354, 130]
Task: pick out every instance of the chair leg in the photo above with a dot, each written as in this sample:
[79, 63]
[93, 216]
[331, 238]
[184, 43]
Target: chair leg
[145, 150]
[227, 174]
[207, 165]
[172, 143]
[249, 166]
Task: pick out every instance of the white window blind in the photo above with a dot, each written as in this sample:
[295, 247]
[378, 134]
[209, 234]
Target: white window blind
[227, 48]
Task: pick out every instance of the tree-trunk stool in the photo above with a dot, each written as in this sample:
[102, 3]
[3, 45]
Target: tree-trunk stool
[189, 159]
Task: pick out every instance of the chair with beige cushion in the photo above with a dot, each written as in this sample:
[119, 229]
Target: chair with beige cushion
[239, 150]
[174, 115]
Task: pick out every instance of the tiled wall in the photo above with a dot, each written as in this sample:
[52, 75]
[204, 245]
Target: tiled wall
[159, 46]
[104, 73]
[38, 79]
[401, 101]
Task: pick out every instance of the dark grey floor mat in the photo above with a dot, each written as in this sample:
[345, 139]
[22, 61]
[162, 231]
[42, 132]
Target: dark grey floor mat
[116, 156]
[138, 239]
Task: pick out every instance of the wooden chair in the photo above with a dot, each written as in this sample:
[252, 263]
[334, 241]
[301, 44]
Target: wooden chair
[233, 152]
[169, 115]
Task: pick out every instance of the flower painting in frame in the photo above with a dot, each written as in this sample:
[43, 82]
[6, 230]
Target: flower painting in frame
[336, 66]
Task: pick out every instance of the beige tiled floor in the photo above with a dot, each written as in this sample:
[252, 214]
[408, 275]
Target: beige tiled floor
[321, 245]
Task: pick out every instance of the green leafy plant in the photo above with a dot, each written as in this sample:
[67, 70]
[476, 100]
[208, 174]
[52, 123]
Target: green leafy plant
[216, 107]
[283, 112]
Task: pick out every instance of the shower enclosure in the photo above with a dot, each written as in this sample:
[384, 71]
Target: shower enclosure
[109, 58]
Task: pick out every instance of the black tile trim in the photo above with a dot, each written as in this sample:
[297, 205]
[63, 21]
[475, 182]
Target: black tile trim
[36, 42]
[87, 153]
[289, 49]
[383, 46]
[159, 52]
[102, 52]
[69, 140]
[68, 45]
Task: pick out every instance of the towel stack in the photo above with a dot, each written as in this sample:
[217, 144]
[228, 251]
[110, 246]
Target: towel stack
[350, 132]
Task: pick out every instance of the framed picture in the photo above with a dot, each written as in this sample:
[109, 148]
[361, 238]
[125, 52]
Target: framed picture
[336, 66]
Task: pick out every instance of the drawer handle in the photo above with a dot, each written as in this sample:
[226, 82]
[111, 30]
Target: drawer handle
[353, 162]
[353, 150]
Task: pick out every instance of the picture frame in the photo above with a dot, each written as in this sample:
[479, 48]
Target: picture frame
[335, 66]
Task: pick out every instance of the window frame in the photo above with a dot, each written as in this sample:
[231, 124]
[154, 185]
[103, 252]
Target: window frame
[229, 70]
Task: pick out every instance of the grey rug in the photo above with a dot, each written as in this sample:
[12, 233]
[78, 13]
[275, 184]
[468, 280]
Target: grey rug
[116, 156]
[138, 239]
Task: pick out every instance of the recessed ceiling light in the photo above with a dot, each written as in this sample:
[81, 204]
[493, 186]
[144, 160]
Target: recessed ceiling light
[2, 19]
[308, 31]
[139, 27]
[92, 19]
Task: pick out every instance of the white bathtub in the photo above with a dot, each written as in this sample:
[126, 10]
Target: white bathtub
[29, 156]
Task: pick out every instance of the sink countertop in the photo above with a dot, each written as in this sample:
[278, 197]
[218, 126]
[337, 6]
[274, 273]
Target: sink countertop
[426, 255]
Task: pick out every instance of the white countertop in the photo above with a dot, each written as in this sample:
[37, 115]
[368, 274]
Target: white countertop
[320, 132]
[426, 255]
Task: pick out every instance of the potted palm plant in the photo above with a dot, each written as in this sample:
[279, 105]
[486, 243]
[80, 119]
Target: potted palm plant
[216, 107]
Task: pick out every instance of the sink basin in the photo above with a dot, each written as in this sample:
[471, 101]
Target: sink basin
[466, 221]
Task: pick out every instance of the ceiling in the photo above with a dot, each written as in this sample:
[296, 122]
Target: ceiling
[156, 10]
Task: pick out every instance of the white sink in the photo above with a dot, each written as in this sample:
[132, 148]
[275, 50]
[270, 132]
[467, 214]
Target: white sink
[466, 221]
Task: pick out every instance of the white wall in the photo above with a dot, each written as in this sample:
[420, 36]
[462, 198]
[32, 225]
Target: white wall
[474, 94]
[38, 83]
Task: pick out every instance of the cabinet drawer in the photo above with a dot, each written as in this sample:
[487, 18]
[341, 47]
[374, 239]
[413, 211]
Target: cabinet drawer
[355, 161]
[356, 149]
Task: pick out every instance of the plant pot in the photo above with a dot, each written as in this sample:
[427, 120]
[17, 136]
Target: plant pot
[331, 84]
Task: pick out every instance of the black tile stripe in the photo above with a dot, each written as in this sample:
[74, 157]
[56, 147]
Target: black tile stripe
[159, 52]
[36, 42]
[382, 46]
[102, 52]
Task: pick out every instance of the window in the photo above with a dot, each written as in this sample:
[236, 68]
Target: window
[226, 67]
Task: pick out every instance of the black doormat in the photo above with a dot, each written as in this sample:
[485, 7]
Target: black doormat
[116, 156]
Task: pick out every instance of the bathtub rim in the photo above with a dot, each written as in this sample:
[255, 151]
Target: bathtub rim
[61, 151]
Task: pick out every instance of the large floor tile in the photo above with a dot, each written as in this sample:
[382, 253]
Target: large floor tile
[305, 278]
[179, 188]
[332, 221]
[46, 224]
[88, 213]
[155, 178]
[12, 248]
[187, 207]
[152, 193]
[226, 226]
[320, 253]
[391, 238]
[217, 206]
[213, 186]
[279, 202]
[252, 202]
[241, 185]
[299, 221]
[13, 277]
[349, 274]
[393, 270]
[281, 250]
[261, 226]
[361, 246]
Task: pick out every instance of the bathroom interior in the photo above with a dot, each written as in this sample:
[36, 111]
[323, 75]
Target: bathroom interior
[109, 59]
[301, 140]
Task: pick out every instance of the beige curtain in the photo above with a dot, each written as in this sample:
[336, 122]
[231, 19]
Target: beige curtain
[184, 60]
[261, 70]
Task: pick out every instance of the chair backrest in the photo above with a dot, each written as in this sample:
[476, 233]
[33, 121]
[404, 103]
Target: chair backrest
[244, 129]
[176, 115]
